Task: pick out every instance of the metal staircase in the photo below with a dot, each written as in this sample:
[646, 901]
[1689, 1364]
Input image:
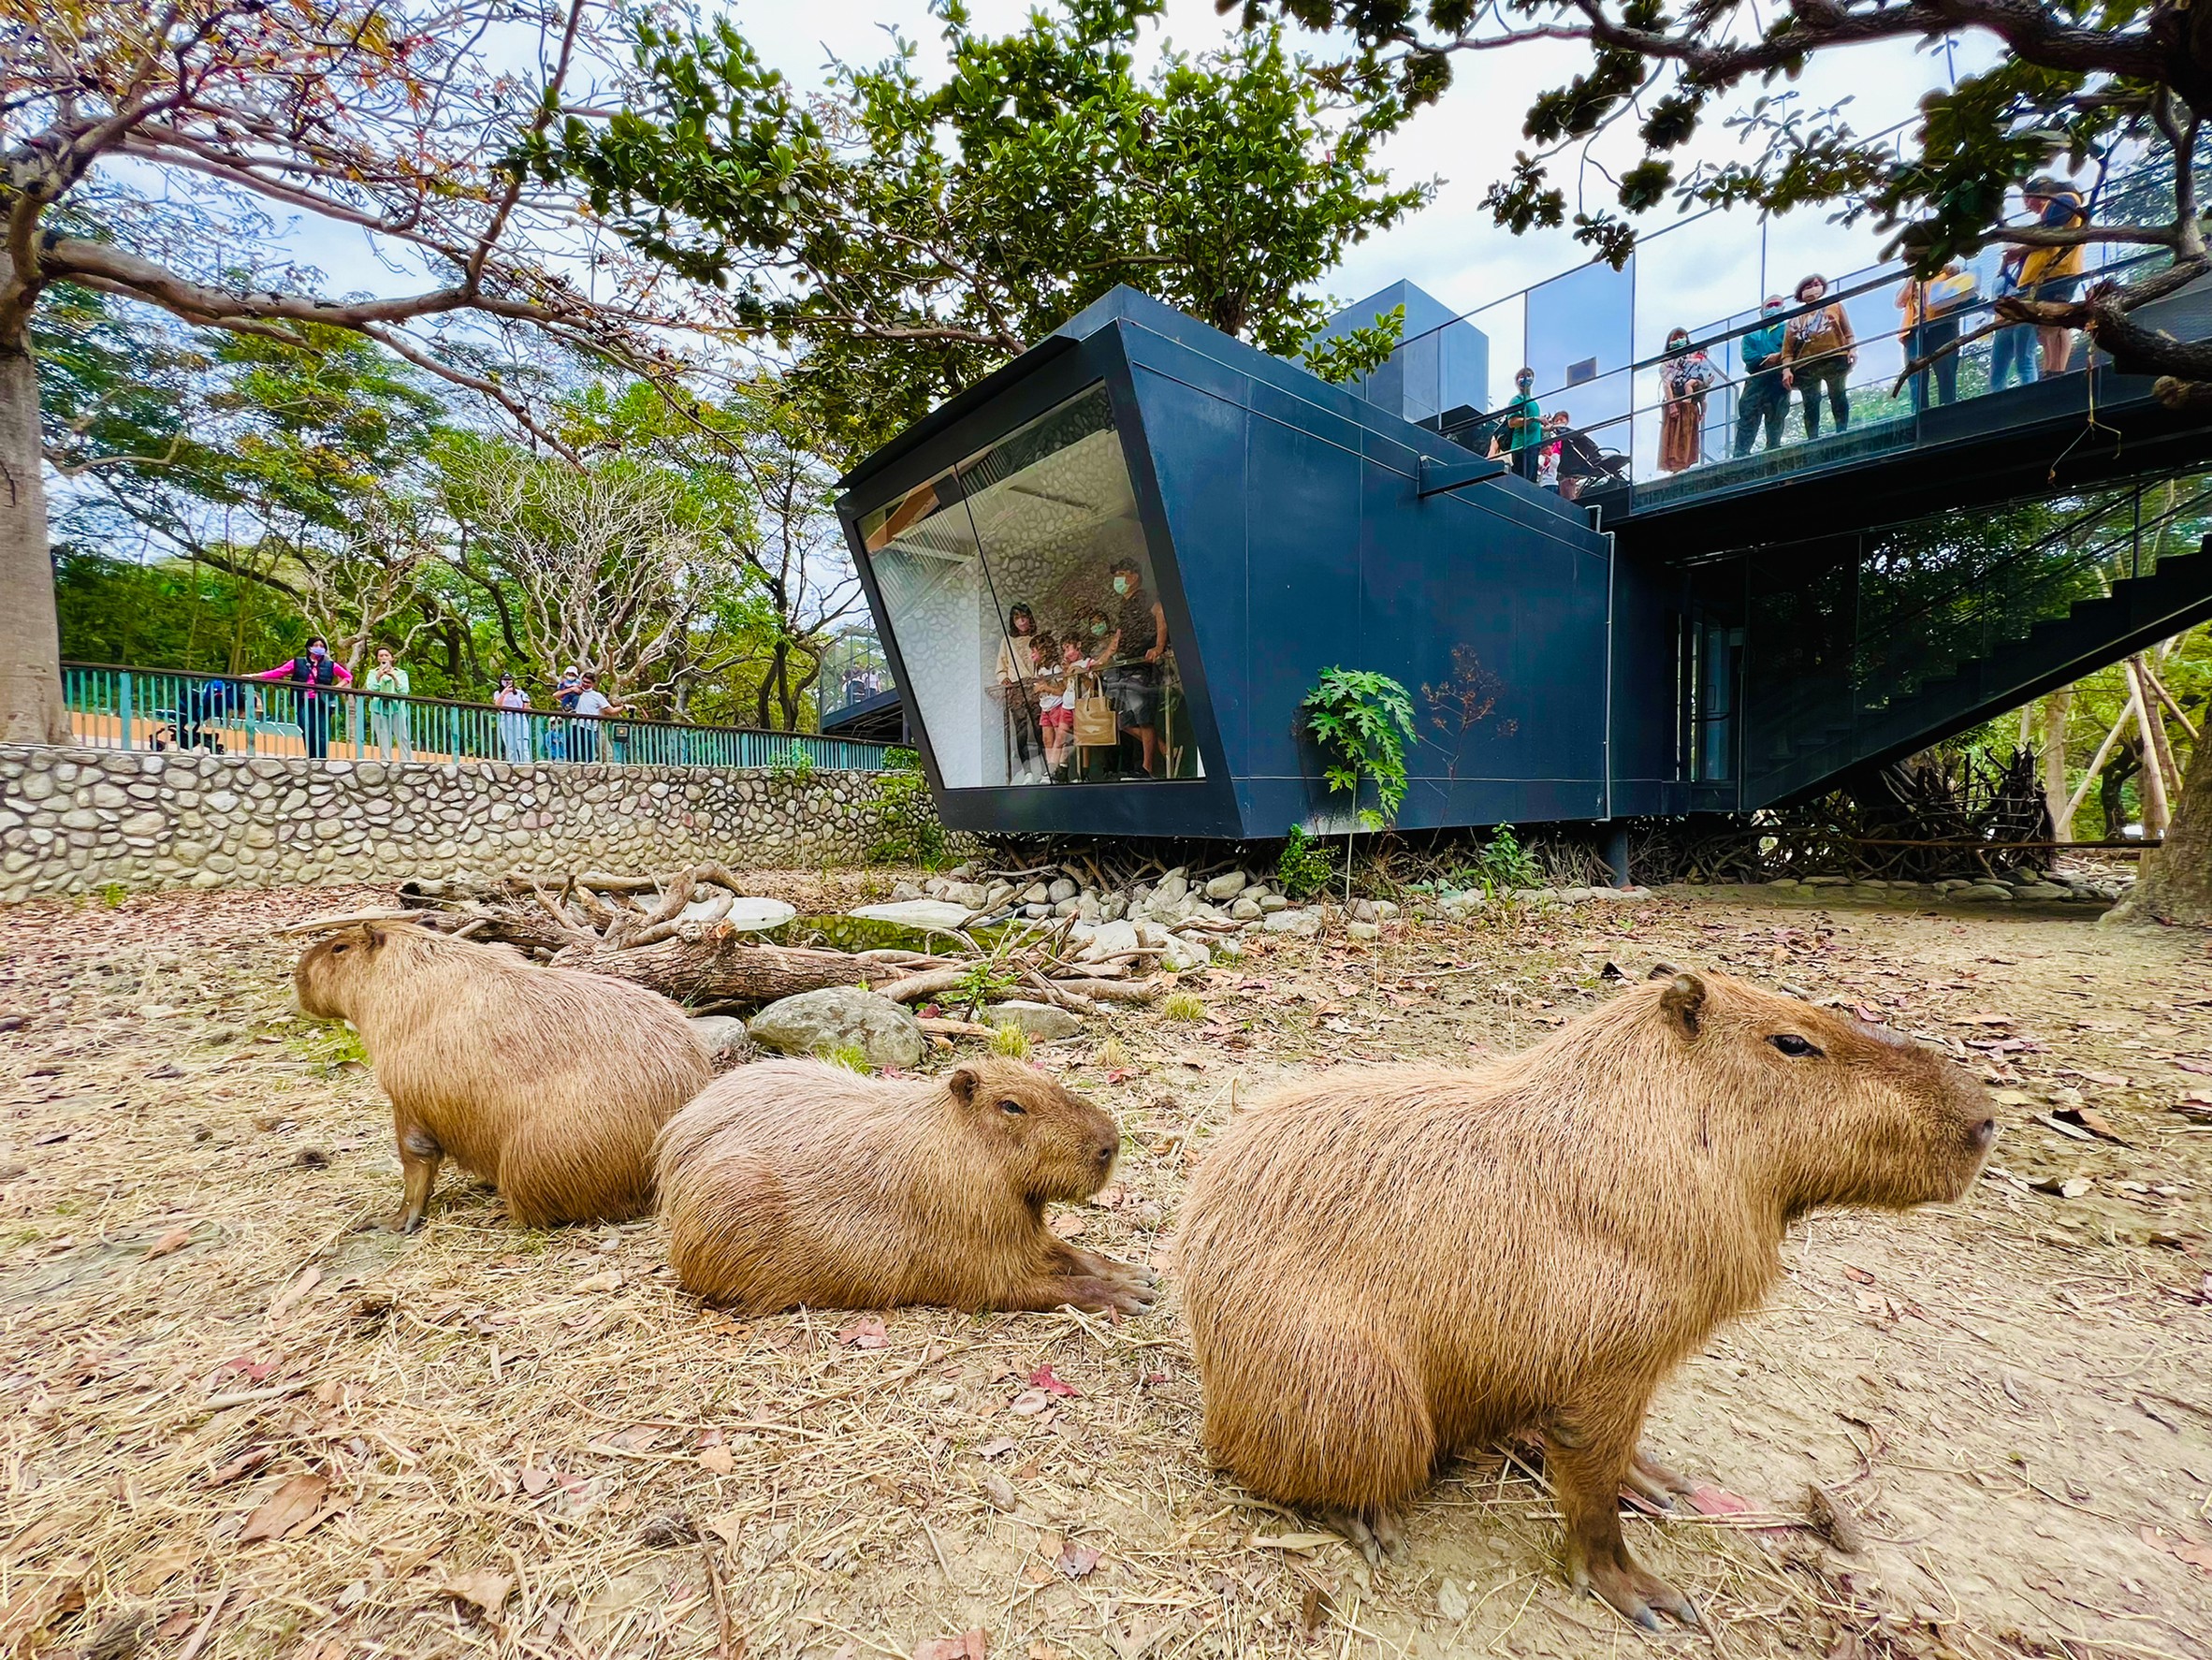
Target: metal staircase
[1930, 662]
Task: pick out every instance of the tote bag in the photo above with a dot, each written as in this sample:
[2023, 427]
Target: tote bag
[1095, 724]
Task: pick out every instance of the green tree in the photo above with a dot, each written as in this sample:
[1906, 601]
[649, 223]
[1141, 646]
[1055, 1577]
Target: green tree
[911, 238]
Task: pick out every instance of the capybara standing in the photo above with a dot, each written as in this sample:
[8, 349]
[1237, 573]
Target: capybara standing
[793, 1182]
[549, 1083]
[1381, 1266]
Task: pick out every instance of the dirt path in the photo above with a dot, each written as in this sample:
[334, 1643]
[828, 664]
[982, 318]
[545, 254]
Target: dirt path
[241, 1419]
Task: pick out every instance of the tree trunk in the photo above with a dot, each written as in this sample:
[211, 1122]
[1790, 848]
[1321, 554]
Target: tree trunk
[2152, 784]
[722, 968]
[32, 710]
[2056, 708]
[2174, 883]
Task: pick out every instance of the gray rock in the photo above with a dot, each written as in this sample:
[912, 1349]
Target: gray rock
[749, 916]
[1384, 910]
[2042, 890]
[1245, 910]
[1042, 1020]
[1037, 892]
[907, 889]
[1172, 888]
[1112, 908]
[1362, 910]
[1363, 930]
[1227, 885]
[1062, 891]
[1983, 893]
[1180, 953]
[1272, 903]
[1110, 940]
[725, 1038]
[815, 1022]
[1304, 924]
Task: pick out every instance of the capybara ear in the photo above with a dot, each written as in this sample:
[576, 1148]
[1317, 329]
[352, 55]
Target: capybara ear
[1662, 972]
[962, 1084]
[1683, 999]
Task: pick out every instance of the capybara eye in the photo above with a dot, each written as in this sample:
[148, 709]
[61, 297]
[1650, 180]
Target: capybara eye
[1013, 1109]
[1790, 1043]
[336, 949]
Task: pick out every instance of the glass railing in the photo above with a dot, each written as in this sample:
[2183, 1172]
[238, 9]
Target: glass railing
[113, 707]
[1836, 645]
[1597, 341]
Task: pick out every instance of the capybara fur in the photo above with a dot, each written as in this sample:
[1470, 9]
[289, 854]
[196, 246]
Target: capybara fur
[1383, 1265]
[793, 1183]
[548, 1083]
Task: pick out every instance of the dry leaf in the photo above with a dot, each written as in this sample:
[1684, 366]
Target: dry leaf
[1043, 1378]
[173, 1240]
[1709, 1500]
[718, 1459]
[2181, 1550]
[865, 1333]
[285, 1510]
[486, 1592]
[999, 1449]
[1030, 1403]
[1294, 1541]
[968, 1645]
[729, 1527]
[1077, 1562]
[1858, 1275]
[608, 1280]
[535, 1480]
[294, 1291]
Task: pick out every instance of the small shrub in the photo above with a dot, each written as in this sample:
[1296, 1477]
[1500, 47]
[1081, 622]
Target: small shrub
[983, 983]
[1304, 868]
[1011, 1042]
[849, 1055]
[1110, 1055]
[1364, 720]
[1183, 1005]
[902, 760]
[112, 895]
[1503, 865]
[794, 764]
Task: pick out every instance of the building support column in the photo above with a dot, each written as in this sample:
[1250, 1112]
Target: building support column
[1616, 852]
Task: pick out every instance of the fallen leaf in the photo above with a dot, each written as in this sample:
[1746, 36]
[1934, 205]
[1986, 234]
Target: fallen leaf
[1859, 1276]
[2071, 1187]
[285, 1510]
[535, 1480]
[2091, 1120]
[1709, 1500]
[294, 1291]
[608, 1280]
[2110, 1079]
[173, 1240]
[968, 1645]
[1030, 1403]
[865, 1333]
[2052, 1121]
[1043, 1378]
[729, 1527]
[2181, 1550]
[1000, 1490]
[486, 1592]
[718, 1459]
[1077, 1562]
[999, 1449]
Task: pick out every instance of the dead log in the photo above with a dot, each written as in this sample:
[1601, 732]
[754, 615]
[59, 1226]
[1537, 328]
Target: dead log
[1109, 991]
[915, 987]
[719, 965]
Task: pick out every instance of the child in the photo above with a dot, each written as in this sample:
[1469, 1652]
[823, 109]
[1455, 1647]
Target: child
[1058, 719]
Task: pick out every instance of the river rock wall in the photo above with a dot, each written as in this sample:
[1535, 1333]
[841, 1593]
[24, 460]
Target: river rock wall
[78, 820]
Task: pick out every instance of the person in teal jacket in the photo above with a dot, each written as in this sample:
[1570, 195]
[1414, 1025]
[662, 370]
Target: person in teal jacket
[388, 717]
[1762, 400]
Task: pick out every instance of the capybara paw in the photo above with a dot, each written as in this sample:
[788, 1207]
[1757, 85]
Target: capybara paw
[1652, 1481]
[407, 1222]
[1376, 1536]
[1100, 1296]
[1637, 1596]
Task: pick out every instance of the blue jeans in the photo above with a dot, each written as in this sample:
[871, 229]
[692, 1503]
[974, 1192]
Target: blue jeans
[2012, 351]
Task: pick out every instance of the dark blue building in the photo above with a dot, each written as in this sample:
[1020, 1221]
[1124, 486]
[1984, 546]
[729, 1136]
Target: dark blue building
[1202, 530]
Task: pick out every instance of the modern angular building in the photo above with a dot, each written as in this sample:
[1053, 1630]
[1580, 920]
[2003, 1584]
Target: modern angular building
[1194, 531]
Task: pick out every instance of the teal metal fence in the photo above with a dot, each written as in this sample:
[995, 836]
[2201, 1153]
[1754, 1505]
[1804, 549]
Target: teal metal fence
[116, 708]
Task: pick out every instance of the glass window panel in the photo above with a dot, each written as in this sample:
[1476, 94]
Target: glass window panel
[943, 616]
[1056, 516]
[1021, 547]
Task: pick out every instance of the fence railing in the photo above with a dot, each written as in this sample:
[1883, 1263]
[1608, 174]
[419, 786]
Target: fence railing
[116, 708]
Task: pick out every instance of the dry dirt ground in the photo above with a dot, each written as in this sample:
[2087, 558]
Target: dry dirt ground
[243, 1419]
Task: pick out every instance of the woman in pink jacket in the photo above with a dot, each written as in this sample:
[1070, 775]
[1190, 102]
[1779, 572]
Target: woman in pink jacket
[312, 669]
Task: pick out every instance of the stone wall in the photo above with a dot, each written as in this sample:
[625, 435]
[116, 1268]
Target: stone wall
[75, 821]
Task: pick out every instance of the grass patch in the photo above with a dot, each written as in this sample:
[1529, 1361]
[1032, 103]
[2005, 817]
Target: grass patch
[1110, 1055]
[1011, 1042]
[1183, 1005]
[849, 1055]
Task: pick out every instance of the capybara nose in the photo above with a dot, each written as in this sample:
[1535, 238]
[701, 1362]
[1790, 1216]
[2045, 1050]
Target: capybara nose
[1106, 1152]
[1985, 1134]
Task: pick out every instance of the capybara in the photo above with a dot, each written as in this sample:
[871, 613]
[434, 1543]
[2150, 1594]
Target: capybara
[793, 1183]
[549, 1083]
[1383, 1265]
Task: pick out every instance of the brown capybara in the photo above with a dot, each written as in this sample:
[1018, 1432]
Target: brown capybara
[793, 1183]
[1381, 1266]
[549, 1083]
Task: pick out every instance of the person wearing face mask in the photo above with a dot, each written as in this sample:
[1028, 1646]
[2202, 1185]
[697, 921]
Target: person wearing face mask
[1017, 691]
[513, 704]
[1524, 425]
[1818, 349]
[1763, 399]
[1683, 381]
[314, 668]
[1141, 642]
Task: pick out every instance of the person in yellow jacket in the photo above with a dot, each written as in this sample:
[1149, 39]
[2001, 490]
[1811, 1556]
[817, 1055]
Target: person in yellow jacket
[2054, 273]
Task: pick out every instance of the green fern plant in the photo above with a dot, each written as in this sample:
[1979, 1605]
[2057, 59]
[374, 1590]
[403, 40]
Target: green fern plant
[1363, 722]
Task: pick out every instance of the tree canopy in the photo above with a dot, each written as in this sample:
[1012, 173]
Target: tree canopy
[908, 237]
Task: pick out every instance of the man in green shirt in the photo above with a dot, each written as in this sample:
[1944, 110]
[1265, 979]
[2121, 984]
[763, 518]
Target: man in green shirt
[387, 717]
[1524, 425]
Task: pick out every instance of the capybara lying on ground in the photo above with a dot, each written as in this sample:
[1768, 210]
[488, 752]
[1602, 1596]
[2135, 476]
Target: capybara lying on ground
[793, 1182]
[549, 1083]
[1381, 1266]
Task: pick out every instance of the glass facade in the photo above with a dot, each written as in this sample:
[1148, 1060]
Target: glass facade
[1021, 594]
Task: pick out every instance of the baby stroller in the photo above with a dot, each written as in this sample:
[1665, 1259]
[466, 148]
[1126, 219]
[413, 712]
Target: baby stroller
[201, 706]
